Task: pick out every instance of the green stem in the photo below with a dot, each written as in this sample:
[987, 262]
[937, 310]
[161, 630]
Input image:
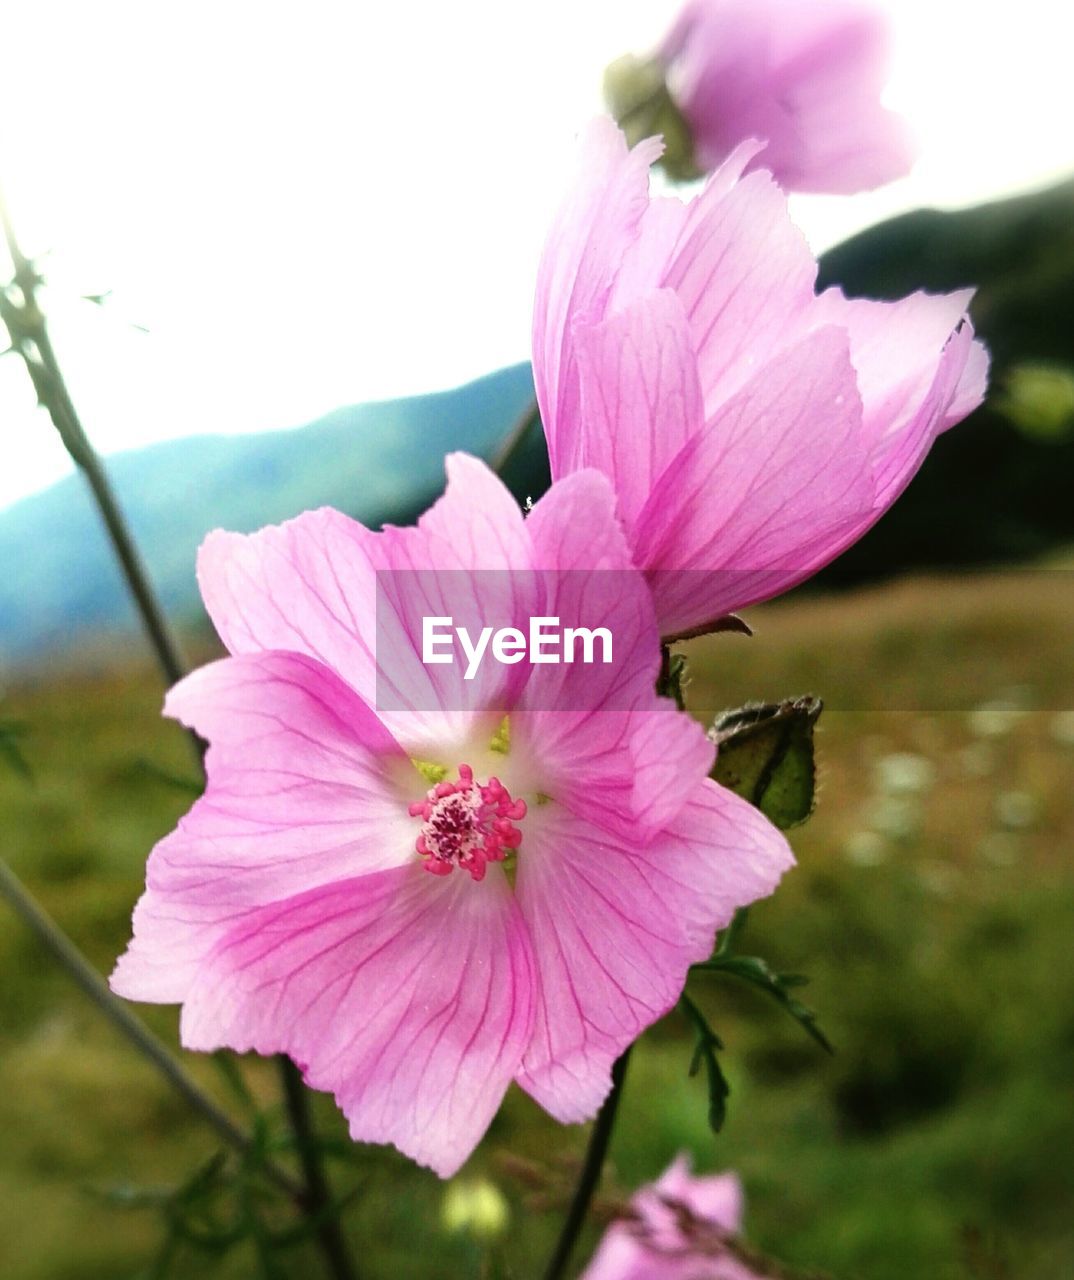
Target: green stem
[119, 1014]
[590, 1175]
[29, 336]
[317, 1197]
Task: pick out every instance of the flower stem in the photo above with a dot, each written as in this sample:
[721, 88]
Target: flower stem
[28, 331]
[515, 439]
[590, 1175]
[119, 1014]
[316, 1196]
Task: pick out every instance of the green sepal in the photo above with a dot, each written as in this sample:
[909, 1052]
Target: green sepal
[637, 96]
[765, 755]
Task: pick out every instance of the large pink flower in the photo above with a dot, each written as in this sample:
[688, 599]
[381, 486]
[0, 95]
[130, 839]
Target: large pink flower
[752, 429]
[415, 897]
[681, 1230]
[803, 76]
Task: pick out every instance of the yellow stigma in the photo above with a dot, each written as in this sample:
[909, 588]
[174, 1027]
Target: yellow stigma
[501, 739]
[432, 773]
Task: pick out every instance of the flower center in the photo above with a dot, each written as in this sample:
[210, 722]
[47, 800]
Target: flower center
[467, 824]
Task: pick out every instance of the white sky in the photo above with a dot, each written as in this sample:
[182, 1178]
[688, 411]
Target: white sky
[315, 204]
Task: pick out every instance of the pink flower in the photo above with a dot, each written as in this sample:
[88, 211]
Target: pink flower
[752, 429]
[581, 860]
[681, 1230]
[803, 76]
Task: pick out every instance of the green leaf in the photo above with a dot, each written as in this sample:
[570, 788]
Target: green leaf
[224, 1204]
[11, 751]
[757, 973]
[706, 1045]
[765, 755]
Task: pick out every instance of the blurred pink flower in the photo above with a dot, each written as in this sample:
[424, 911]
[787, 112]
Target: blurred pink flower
[752, 429]
[802, 76]
[681, 1231]
[582, 859]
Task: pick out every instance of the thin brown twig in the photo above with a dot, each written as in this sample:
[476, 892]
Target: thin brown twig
[29, 336]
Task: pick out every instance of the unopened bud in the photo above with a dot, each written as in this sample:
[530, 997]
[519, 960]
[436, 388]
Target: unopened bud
[476, 1207]
[636, 93]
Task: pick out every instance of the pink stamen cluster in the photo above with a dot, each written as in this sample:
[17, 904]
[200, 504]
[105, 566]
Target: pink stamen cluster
[467, 824]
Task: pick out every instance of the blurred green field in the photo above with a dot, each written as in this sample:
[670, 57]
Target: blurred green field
[932, 909]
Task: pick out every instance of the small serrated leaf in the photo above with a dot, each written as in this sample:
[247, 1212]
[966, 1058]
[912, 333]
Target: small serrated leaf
[706, 1045]
[757, 973]
[765, 755]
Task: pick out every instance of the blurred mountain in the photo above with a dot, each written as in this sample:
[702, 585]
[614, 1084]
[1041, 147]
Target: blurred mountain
[379, 462]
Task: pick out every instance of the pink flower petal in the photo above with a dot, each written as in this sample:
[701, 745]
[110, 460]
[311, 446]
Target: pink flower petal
[641, 268]
[972, 385]
[306, 585]
[715, 1197]
[304, 788]
[669, 754]
[608, 746]
[902, 451]
[918, 328]
[657, 1247]
[806, 78]
[773, 478]
[615, 928]
[661, 228]
[574, 532]
[408, 996]
[829, 67]
[765, 494]
[588, 237]
[744, 274]
[324, 585]
[940, 377]
[640, 395]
